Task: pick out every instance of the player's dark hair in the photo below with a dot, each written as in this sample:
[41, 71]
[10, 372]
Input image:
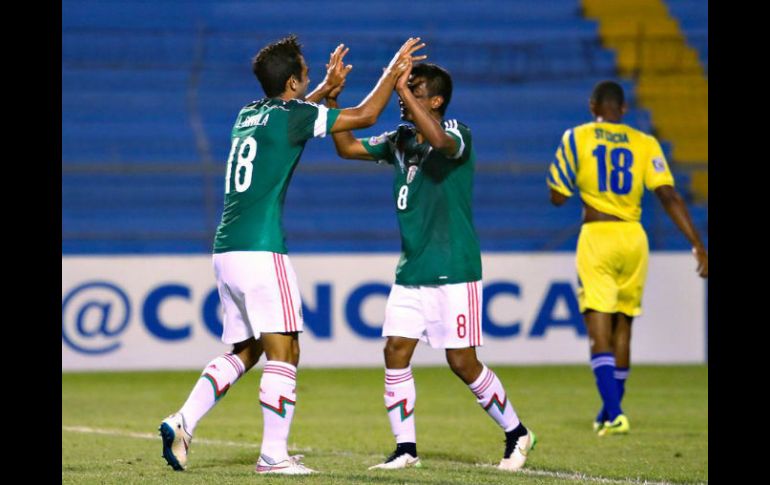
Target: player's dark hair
[276, 63]
[608, 92]
[437, 81]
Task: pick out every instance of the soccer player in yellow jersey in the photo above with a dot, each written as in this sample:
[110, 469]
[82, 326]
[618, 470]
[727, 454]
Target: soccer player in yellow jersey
[611, 164]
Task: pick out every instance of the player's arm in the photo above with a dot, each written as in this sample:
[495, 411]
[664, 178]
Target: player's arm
[677, 211]
[658, 178]
[557, 198]
[427, 125]
[347, 145]
[336, 72]
[366, 113]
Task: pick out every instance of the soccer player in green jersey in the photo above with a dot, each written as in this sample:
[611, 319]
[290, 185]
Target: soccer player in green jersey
[256, 282]
[437, 296]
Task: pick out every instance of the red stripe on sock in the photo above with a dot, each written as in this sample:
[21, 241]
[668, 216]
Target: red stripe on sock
[398, 381]
[480, 384]
[484, 383]
[390, 378]
[290, 370]
[489, 382]
[278, 373]
[397, 374]
[281, 370]
[231, 359]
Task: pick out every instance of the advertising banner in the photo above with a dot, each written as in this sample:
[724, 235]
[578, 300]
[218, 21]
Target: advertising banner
[163, 312]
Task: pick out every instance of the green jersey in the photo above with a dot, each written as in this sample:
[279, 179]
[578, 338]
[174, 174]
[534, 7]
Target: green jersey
[433, 195]
[267, 140]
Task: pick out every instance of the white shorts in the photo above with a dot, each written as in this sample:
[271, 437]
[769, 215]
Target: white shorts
[259, 294]
[444, 316]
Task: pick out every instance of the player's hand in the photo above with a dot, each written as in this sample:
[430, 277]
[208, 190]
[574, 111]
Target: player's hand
[403, 81]
[404, 57]
[336, 70]
[703, 261]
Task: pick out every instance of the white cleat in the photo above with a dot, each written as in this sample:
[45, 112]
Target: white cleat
[289, 466]
[404, 460]
[176, 441]
[519, 455]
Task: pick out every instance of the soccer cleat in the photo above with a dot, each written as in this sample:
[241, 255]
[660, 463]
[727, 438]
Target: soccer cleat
[398, 459]
[516, 452]
[289, 466]
[176, 441]
[619, 426]
[598, 425]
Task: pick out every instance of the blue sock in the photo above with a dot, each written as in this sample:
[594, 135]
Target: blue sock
[603, 365]
[621, 374]
[602, 416]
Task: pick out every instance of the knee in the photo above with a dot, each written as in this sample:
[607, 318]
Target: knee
[288, 353]
[601, 344]
[248, 352]
[466, 367]
[396, 355]
[456, 362]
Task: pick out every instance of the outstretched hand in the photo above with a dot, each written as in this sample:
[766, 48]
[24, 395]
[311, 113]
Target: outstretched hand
[404, 58]
[337, 71]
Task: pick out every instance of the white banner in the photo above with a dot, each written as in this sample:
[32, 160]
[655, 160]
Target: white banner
[162, 312]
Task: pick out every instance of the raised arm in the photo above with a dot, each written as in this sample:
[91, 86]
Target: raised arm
[430, 128]
[677, 210]
[347, 145]
[365, 114]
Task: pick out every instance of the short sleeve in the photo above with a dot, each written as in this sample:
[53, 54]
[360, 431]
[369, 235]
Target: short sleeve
[380, 147]
[462, 136]
[308, 120]
[657, 172]
[561, 173]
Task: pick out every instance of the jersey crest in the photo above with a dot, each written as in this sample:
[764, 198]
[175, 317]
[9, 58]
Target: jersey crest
[411, 173]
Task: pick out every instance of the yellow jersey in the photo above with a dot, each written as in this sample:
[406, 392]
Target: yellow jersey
[611, 164]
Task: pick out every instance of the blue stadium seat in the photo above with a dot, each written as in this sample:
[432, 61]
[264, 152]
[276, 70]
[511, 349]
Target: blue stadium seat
[150, 92]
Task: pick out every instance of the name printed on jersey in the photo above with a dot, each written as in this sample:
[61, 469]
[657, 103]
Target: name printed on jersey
[254, 120]
[610, 136]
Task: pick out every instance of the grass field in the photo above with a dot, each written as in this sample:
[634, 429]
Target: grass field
[110, 420]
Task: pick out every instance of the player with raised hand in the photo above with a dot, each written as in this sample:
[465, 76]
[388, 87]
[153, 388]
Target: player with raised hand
[437, 295]
[611, 164]
[256, 282]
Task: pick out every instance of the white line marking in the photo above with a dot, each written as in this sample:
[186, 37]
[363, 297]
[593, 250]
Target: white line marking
[573, 476]
[580, 477]
[150, 436]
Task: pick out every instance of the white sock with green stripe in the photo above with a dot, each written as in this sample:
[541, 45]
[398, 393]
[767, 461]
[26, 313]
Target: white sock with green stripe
[215, 380]
[277, 395]
[491, 395]
[400, 396]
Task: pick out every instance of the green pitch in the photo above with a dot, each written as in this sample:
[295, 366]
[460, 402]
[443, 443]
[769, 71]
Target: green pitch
[110, 421]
